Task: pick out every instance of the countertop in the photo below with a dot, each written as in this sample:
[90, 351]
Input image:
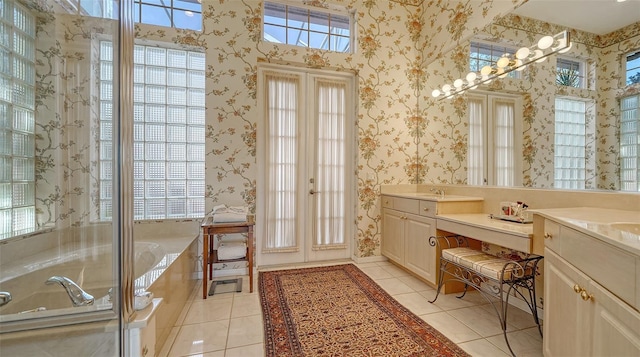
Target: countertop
[429, 196]
[599, 223]
[482, 220]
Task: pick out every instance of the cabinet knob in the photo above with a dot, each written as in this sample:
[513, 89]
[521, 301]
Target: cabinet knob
[586, 296]
[577, 289]
[548, 236]
[386, 202]
[426, 209]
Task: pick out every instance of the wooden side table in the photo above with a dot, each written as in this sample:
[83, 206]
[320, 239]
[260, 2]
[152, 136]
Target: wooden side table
[210, 256]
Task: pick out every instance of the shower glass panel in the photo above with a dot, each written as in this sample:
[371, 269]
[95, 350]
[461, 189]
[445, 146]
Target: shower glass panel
[59, 255]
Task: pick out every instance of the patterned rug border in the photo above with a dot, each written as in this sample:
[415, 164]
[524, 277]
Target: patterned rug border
[280, 331]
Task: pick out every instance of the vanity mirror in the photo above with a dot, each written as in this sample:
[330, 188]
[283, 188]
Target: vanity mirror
[561, 117]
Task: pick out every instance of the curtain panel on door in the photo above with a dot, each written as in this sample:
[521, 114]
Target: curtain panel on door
[281, 96]
[330, 173]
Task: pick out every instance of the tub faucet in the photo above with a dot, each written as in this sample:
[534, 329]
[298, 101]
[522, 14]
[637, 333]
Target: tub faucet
[5, 298]
[78, 296]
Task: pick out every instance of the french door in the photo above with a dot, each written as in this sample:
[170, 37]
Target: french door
[305, 202]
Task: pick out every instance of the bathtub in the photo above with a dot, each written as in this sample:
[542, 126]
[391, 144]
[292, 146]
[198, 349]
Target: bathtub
[90, 268]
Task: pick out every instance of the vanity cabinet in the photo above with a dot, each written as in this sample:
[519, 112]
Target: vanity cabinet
[590, 296]
[407, 226]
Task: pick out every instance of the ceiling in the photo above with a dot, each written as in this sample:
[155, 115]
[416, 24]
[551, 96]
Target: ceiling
[595, 16]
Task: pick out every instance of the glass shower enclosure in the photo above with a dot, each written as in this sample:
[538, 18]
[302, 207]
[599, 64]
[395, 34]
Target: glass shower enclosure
[65, 225]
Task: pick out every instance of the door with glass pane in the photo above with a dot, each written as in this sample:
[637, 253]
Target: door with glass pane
[304, 199]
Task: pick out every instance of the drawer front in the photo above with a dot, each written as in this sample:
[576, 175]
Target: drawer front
[406, 205]
[428, 208]
[609, 266]
[387, 202]
[552, 236]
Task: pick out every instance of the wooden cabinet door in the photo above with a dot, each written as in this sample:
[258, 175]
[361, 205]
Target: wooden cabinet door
[616, 326]
[419, 256]
[393, 235]
[567, 318]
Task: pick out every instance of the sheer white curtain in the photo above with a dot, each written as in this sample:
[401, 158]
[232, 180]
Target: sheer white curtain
[504, 146]
[330, 173]
[475, 151]
[281, 96]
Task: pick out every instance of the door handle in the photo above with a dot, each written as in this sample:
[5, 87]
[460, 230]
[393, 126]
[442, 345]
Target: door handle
[313, 192]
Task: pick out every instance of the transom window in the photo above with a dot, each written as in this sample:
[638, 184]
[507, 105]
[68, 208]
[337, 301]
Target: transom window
[169, 132]
[310, 27]
[633, 68]
[570, 73]
[182, 14]
[487, 54]
[17, 120]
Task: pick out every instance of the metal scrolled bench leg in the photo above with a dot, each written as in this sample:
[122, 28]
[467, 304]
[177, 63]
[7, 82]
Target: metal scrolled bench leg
[490, 275]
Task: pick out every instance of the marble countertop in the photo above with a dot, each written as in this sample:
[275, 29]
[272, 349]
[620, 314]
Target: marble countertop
[482, 220]
[603, 224]
[429, 196]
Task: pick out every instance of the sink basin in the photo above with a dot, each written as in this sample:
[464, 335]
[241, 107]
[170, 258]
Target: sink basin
[630, 227]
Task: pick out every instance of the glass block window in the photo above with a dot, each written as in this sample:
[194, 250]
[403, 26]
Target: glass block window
[310, 27]
[630, 143]
[570, 73]
[633, 68]
[570, 139]
[487, 54]
[169, 131]
[182, 14]
[17, 121]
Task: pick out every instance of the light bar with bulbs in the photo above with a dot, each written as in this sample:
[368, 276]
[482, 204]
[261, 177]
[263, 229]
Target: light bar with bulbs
[546, 46]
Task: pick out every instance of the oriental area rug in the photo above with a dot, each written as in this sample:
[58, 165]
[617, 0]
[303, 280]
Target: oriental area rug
[340, 311]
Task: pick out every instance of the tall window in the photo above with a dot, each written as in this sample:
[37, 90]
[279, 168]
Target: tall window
[487, 54]
[570, 140]
[633, 68]
[494, 141]
[630, 143]
[169, 131]
[310, 27]
[570, 73]
[17, 122]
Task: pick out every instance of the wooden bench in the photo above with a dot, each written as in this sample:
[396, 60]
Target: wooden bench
[492, 276]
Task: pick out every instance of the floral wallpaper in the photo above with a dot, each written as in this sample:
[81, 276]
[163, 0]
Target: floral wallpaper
[405, 48]
[396, 40]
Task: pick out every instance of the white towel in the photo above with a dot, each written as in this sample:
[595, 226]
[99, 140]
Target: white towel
[229, 217]
[232, 250]
[223, 214]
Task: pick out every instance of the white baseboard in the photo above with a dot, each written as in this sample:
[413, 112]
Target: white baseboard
[374, 259]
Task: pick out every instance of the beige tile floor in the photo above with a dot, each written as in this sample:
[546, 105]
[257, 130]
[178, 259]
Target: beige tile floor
[229, 324]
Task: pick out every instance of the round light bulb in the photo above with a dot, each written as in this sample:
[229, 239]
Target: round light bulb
[545, 42]
[538, 56]
[519, 66]
[486, 70]
[523, 53]
[471, 76]
[446, 88]
[503, 62]
[435, 93]
[458, 83]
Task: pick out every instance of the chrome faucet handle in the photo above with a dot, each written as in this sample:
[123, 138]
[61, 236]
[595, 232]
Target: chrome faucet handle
[78, 296]
[5, 298]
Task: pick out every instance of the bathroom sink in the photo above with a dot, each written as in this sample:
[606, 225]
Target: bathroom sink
[630, 227]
